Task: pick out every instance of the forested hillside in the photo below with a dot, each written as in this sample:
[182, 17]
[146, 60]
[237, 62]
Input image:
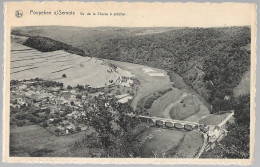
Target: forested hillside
[211, 61]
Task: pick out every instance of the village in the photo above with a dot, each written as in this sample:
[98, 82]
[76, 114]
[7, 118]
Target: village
[62, 111]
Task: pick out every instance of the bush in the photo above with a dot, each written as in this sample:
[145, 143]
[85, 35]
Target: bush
[64, 76]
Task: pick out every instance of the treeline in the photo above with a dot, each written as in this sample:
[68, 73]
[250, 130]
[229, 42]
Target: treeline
[45, 44]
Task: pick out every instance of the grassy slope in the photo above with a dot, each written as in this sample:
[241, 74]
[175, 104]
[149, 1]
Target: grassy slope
[214, 119]
[161, 103]
[157, 142]
[244, 86]
[36, 141]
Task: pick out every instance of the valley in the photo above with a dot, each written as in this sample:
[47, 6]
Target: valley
[123, 72]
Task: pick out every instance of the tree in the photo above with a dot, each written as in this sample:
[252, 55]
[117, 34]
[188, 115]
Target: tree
[79, 96]
[111, 128]
[78, 129]
[64, 76]
[80, 87]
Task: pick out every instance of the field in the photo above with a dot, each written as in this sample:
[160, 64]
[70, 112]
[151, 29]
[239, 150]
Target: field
[27, 63]
[190, 145]
[160, 104]
[36, 141]
[157, 142]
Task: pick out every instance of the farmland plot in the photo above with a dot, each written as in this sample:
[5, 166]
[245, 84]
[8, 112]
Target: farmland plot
[27, 63]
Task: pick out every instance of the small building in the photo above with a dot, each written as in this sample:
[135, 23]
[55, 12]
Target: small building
[213, 133]
[84, 96]
[23, 87]
[66, 94]
[73, 96]
[17, 106]
[73, 91]
[227, 98]
[70, 129]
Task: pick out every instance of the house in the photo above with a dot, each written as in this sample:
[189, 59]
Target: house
[73, 91]
[19, 100]
[213, 133]
[227, 98]
[23, 104]
[73, 96]
[61, 128]
[32, 88]
[23, 86]
[66, 94]
[55, 89]
[70, 129]
[84, 96]
[17, 106]
[38, 104]
[51, 120]
[78, 103]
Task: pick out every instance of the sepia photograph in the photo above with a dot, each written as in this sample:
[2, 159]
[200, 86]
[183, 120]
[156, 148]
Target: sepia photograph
[130, 92]
[179, 92]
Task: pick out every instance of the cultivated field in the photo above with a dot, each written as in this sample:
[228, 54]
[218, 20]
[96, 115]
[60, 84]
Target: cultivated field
[27, 63]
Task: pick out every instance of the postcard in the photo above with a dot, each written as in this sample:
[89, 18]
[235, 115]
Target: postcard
[129, 83]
